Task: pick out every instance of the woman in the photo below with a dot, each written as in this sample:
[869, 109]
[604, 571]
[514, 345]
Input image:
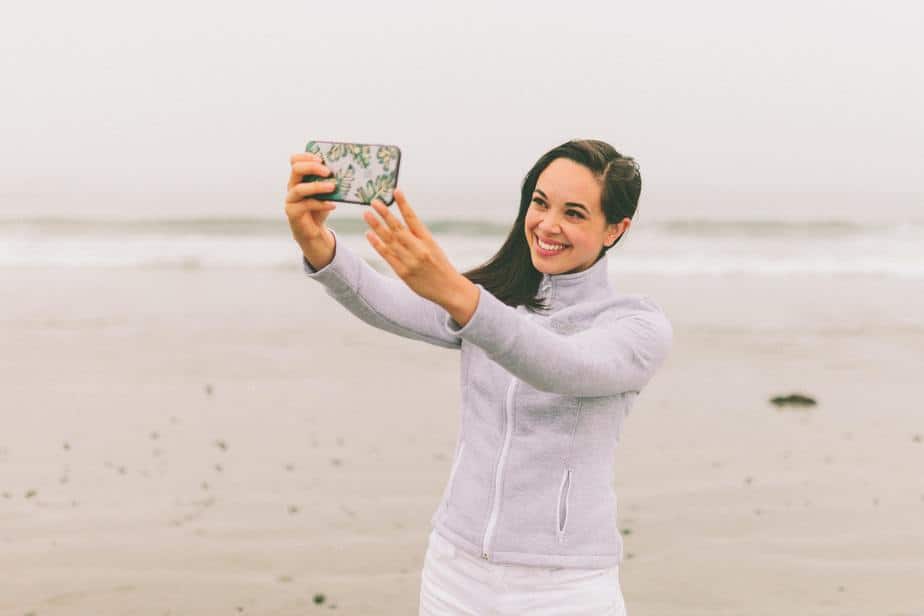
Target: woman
[552, 359]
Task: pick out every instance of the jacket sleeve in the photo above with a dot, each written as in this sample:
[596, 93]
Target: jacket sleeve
[383, 302]
[617, 354]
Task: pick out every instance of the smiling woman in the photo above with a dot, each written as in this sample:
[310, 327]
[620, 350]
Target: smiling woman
[579, 198]
[527, 517]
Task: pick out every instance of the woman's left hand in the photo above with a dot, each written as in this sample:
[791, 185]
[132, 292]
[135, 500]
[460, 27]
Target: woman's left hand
[411, 251]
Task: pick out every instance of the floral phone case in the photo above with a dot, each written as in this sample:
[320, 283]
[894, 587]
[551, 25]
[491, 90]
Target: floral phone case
[363, 171]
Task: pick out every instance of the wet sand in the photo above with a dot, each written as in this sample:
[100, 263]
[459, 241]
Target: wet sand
[233, 442]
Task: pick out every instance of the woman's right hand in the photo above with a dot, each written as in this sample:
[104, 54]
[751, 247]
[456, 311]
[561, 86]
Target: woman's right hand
[307, 214]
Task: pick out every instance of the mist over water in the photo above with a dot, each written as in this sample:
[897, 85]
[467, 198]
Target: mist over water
[771, 138]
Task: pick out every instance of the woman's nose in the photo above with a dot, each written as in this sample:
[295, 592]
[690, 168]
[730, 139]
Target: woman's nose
[550, 226]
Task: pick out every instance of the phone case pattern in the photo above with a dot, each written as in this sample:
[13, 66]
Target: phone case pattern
[363, 172]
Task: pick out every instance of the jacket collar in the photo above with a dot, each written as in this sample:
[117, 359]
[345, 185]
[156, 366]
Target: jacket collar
[562, 290]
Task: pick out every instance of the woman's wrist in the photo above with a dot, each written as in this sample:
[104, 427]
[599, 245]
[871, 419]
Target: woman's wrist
[319, 252]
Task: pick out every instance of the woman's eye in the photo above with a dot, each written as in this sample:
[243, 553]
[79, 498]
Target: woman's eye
[539, 202]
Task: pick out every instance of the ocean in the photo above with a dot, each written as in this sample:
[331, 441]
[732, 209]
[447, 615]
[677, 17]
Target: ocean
[675, 247]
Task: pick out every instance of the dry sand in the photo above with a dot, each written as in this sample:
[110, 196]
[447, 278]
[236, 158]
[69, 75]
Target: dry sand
[316, 459]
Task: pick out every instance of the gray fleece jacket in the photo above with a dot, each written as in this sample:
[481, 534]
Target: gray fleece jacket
[544, 395]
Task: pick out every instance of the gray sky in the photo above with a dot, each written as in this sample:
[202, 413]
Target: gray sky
[191, 108]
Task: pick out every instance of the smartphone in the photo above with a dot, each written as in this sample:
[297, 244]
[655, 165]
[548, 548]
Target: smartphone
[363, 171]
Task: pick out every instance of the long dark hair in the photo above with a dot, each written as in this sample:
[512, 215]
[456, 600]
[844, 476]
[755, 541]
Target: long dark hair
[510, 275]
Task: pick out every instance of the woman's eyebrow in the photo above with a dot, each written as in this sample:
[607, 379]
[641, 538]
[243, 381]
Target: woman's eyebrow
[580, 205]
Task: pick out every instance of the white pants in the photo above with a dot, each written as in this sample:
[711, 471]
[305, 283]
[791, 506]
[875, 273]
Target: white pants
[454, 582]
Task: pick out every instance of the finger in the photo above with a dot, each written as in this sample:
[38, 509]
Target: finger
[390, 219]
[410, 217]
[308, 189]
[302, 168]
[297, 209]
[303, 156]
[387, 253]
[388, 237]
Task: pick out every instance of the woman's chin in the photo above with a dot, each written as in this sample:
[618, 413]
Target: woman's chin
[544, 267]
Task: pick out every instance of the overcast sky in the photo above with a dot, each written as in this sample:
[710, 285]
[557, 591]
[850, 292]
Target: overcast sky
[188, 108]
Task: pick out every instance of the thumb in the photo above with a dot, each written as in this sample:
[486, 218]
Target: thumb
[322, 215]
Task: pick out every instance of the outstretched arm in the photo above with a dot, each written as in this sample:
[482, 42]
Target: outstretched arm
[383, 302]
[618, 353]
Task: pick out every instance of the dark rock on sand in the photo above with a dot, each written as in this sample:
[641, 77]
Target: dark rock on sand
[793, 400]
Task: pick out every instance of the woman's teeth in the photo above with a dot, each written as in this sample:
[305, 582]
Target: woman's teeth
[553, 247]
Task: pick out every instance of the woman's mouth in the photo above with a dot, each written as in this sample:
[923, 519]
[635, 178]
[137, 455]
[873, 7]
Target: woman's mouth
[549, 250]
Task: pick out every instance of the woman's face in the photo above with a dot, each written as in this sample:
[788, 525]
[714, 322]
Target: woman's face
[565, 210]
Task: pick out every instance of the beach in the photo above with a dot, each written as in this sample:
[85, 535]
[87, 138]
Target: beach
[232, 441]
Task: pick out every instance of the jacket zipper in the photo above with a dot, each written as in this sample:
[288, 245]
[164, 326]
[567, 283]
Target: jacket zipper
[492, 521]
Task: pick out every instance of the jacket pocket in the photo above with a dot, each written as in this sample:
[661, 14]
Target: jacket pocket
[562, 510]
[452, 473]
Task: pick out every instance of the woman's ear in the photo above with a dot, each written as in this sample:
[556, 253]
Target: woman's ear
[616, 230]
